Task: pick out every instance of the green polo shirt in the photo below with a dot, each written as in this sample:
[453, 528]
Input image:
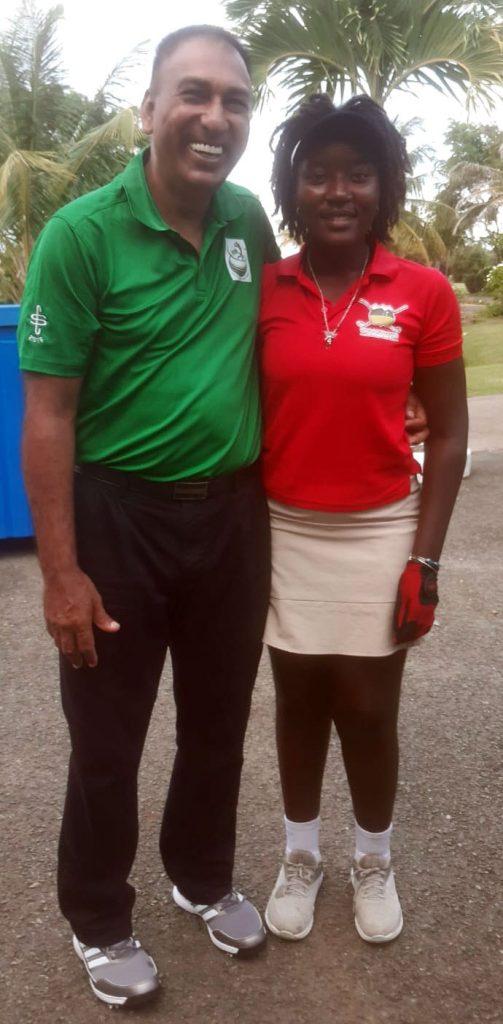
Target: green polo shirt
[163, 337]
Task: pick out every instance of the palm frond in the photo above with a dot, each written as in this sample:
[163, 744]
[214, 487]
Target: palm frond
[376, 46]
[415, 185]
[17, 168]
[406, 243]
[30, 72]
[121, 129]
[13, 265]
[109, 92]
[481, 193]
[245, 12]
[54, 143]
[44, 72]
[302, 55]
[470, 174]
[434, 244]
[29, 185]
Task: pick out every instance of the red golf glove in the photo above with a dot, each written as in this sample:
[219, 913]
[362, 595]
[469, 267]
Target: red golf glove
[416, 601]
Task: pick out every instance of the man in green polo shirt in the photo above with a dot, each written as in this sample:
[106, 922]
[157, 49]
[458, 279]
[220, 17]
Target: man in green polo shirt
[137, 342]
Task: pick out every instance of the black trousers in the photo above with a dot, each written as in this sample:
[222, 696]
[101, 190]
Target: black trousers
[191, 576]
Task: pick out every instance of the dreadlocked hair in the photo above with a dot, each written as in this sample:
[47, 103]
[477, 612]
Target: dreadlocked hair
[384, 146]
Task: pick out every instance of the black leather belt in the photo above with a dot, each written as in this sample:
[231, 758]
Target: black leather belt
[179, 490]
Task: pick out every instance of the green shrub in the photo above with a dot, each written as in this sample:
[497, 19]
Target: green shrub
[470, 263]
[496, 242]
[494, 287]
[494, 280]
[460, 290]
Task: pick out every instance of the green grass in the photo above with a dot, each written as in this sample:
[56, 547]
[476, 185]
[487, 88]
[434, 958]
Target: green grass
[483, 351]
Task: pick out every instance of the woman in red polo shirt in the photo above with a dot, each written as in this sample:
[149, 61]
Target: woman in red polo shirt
[345, 327]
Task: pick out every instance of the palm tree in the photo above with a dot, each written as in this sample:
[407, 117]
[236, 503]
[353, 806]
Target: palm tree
[372, 46]
[378, 47]
[54, 143]
[415, 237]
[483, 198]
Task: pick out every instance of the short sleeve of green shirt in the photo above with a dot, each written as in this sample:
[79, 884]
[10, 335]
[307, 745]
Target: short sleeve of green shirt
[58, 316]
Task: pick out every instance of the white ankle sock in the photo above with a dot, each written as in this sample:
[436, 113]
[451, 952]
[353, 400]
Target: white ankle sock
[303, 835]
[372, 842]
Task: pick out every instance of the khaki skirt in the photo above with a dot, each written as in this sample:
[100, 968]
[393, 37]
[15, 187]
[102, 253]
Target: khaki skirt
[335, 577]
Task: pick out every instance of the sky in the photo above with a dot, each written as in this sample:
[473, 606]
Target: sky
[96, 34]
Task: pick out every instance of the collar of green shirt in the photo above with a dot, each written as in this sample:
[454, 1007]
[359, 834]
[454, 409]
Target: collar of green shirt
[225, 205]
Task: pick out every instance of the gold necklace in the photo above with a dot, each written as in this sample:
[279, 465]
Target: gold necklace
[330, 334]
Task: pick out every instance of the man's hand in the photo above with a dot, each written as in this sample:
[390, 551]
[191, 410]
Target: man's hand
[416, 424]
[72, 606]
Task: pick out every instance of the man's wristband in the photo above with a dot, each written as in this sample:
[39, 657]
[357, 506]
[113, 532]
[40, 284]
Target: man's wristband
[429, 562]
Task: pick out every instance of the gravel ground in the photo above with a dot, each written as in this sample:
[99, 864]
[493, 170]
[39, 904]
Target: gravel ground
[445, 968]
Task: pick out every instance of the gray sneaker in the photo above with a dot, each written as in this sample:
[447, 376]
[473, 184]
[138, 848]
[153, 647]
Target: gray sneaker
[122, 974]
[233, 923]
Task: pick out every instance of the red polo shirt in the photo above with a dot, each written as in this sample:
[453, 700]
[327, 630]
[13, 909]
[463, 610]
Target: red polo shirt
[334, 430]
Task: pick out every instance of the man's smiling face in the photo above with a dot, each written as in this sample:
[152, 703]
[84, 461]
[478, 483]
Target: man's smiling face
[197, 113]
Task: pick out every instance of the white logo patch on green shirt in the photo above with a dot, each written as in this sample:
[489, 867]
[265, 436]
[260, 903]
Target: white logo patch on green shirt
[38, 321]
[236, 258]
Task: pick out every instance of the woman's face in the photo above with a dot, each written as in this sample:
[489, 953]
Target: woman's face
[337, 195]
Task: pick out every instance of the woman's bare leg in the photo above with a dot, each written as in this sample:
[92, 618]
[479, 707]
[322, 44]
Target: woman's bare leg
[365, 696]
[303, 726]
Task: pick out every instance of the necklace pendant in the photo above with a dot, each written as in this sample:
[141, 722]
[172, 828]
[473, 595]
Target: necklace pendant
[328, 334]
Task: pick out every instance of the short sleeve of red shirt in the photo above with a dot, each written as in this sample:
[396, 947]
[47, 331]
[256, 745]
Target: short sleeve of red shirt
[441, 338]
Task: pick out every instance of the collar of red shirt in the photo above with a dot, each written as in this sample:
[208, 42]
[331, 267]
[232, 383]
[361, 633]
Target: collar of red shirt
[382, 264]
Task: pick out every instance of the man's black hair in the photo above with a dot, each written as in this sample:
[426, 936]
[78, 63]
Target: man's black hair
[368, 128]
[170, 43]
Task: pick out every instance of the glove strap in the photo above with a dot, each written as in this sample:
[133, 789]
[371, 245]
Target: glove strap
[429, 562]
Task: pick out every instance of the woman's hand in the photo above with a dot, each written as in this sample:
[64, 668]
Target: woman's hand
[416, 601]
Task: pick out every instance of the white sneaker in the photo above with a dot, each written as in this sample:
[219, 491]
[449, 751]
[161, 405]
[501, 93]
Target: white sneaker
[290, 911]
[377, 910]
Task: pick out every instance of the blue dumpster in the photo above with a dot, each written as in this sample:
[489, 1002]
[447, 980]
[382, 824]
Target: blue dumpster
[15, 519]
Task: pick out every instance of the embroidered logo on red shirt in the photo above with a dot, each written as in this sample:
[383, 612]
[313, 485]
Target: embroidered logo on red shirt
[381, 322]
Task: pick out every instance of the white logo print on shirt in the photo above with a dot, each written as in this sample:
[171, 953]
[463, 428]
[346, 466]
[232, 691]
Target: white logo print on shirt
[236, 258]
[381, 322]
[38, 321]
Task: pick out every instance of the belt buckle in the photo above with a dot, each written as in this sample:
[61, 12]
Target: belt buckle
[191, 490]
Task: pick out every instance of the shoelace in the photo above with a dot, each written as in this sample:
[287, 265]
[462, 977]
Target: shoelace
[121, 949]
[372, 882]
[298, 879]
[229, 902]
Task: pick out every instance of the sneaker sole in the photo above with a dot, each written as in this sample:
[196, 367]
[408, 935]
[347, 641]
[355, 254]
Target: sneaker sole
[380, 938]
[122, 1002]
[242, 952]
[290, 936]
